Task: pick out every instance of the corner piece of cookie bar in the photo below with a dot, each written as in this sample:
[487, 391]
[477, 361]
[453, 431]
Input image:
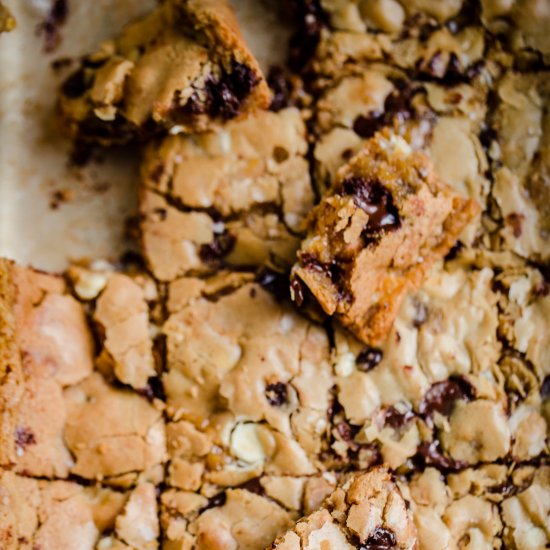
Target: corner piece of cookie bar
[366, 511]
[63, 414]
[376, 233]
[184, 67]
[37, 513]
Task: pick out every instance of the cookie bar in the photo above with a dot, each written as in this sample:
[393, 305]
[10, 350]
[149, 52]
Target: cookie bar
[185, 68]
[67, 416]
[519, 147]
[461, 379]
[7, 22]
[248, 384]
[374, 236]
[62, 514]
[367, 511]
[236, 197]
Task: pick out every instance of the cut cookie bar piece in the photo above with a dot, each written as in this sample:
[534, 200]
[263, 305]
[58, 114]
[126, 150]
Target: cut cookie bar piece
[69, 418]
[60, 514]
[374, 236]
[185, 67]
[237, 197]
[248, 384]
[520, 154]
[367, 511]
[248, 377]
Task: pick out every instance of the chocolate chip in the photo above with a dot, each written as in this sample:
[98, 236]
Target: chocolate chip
[347, 432]
[396, 419]
[545, 387]
[368, 358]
[215, 501]
[454, 251]
[441, 396]
[253, 486]
[311, 20]
[504, 489]
[430, 454]
[381, 539]
[376, 201]
[215, 251]
[276, 394]
[24, 437]
[274, 282]
[153, 390]
[367, 126]
[222, 97]
[333, 270]
[76, 85]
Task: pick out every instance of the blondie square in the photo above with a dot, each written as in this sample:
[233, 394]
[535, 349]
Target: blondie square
[65, 411]
[185, 67]
[374, 236]
[35, 513]
[235, 197]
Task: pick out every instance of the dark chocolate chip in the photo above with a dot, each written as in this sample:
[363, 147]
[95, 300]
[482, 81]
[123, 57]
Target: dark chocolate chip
[396, 419]
[153, 390]
[376, 201]
[381, 539]
[333, 270]
[367, 126]
[216, 501]
[368, 358]
[276, 394]
[24, 437]
[76, 85]
[545, 387]
[274, 282]
[311, 20]
[347, 432]
[253, 486]
[215, 251]
[441, 396]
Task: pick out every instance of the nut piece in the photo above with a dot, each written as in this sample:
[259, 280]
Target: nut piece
[375, 235]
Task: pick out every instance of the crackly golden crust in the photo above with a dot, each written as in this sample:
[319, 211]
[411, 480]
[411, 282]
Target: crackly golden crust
[375, 271]
[159, 74]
